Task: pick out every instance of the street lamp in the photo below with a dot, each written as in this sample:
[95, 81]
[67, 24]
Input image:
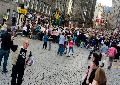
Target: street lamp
[84, 16]
[106, 23]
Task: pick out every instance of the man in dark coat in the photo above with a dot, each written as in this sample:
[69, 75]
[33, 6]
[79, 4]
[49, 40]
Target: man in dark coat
[6, 43]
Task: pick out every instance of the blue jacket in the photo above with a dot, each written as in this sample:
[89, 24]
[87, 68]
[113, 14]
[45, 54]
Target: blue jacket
[104, 49]
[45, 38]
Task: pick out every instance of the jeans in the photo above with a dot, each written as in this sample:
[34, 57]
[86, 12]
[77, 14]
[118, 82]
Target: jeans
[49, 45]
[91, 52]
[65, 50]
[61, 49]
[5, 54]
[110, 62]
[45, 45]
[71, 49]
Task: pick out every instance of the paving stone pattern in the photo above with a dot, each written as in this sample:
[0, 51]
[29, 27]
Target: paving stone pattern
[52, 69]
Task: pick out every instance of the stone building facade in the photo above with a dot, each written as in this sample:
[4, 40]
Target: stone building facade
[48, 6]
[99, 16]
[116, 13]
[83, 11]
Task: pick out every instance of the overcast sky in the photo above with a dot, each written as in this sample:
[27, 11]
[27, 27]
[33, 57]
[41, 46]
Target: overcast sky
[105, 2]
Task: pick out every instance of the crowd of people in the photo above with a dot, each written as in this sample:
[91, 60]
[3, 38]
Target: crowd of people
[101, 43]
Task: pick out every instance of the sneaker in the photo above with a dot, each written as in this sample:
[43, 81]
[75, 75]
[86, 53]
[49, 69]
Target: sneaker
[108, 67]
[61, 54]
[68, 56]
[115, 60]
[102, 65]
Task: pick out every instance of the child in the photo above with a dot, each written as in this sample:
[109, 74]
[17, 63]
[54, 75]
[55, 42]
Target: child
[50, 42]
[45, 39]
[103, 52]
[70, 45]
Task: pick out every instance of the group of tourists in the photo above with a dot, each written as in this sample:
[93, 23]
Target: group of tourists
[101, 43]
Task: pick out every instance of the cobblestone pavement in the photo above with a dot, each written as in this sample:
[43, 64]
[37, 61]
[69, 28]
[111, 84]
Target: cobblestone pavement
[52, 69]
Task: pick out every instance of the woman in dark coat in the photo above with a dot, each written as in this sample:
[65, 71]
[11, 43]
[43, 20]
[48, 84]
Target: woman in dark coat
[118, 52]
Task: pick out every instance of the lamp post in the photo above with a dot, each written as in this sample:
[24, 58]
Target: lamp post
[106, 23]
[49, 10]
[84, 17]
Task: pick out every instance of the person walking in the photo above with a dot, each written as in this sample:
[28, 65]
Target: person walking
[45, 39]
[66, 45]
[19, 62]
[92, 50]
[14, 20]
[61, 44]
[112, 51]
[103, 53]
[117, 56]
[50, 43]
[6, 43]
[70, 44]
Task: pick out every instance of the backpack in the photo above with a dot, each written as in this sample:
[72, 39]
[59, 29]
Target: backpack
[38, 29]
[112, 52]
